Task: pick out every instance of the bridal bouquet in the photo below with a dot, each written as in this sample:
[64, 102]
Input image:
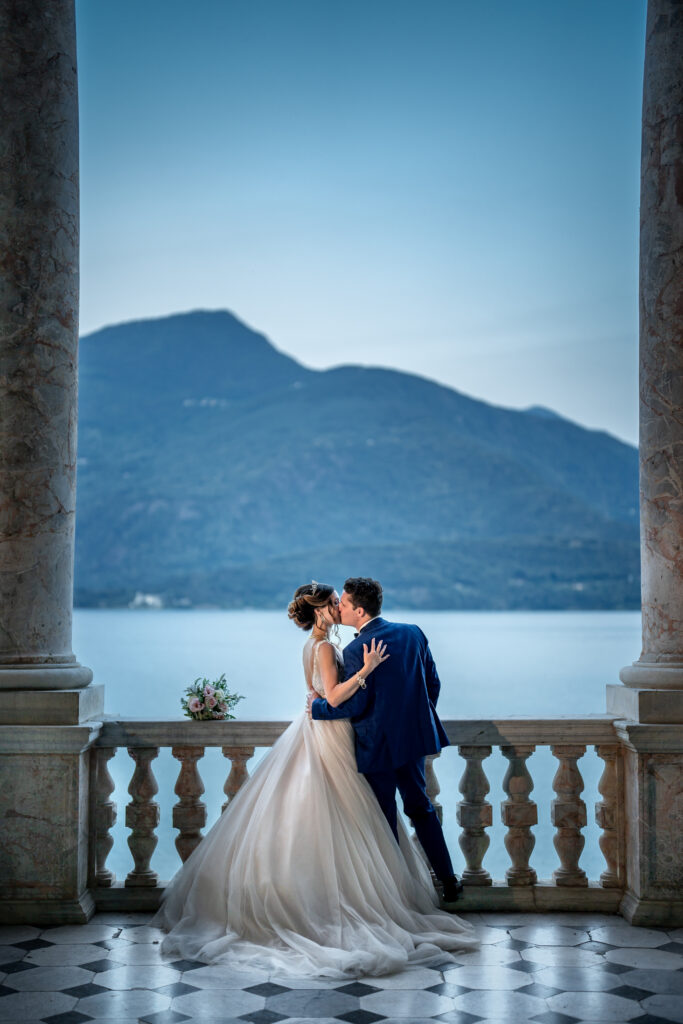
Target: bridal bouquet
[204, 700]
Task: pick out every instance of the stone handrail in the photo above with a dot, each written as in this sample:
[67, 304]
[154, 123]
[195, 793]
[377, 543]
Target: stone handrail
[516, 737]
[125, 732]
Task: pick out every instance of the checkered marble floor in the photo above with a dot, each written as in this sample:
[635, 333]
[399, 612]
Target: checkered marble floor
[549, 969]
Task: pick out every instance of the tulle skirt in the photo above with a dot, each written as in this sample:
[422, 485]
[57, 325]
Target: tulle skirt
[301, 874]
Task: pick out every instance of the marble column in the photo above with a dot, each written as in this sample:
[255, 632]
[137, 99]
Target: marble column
[650, 701]
[48, 710]
[660, 666]
[39, 235]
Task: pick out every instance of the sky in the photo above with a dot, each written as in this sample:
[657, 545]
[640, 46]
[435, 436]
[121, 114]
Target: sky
[443, 186]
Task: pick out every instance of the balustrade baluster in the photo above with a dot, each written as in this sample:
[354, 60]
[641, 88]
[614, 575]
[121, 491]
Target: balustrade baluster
[609, 816]
[105, 816]
[189, 814]
[474, 812]
[474, 815]
[432, 784]
[518, 814]
[568, 815]
[142, 816]
[238, 771]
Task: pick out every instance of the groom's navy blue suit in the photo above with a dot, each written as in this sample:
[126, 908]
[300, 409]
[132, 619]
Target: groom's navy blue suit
[396, 725]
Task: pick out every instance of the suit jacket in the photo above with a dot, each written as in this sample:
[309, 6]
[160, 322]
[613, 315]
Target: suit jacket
[394, 717]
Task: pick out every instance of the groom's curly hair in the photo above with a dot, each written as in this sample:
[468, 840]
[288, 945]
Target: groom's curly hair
[365, 593]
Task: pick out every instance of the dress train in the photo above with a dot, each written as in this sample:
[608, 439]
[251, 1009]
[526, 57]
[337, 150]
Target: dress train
[301, 874]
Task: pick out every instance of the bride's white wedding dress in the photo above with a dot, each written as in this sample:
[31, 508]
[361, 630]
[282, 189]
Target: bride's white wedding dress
[301, 874]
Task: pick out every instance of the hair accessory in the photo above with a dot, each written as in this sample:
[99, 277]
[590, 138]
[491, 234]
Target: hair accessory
[314, 586]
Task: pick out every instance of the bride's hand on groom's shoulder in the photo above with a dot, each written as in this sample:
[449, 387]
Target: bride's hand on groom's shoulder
[374, 655]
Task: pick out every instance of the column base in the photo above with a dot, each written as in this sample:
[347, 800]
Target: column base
[652, 759]
[647, 913]
[645, 705]
[653, 675]
[45, 777]
[51, 707]
[46, 676]
[47, 913]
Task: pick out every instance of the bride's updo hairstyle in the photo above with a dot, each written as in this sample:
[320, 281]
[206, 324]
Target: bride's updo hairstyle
[306, 599]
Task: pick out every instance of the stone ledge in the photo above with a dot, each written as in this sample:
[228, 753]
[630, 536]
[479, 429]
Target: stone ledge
[51, 707]
[651, 738]
[523, 730]
[121, 732]
[564, 729]
[542, 897]
[47, 739]
[649, 707]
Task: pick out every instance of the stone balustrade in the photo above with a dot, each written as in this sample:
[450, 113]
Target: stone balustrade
[516, 738]
[57, 818]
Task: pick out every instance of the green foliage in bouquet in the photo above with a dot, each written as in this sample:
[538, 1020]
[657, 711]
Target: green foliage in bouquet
[206, 700]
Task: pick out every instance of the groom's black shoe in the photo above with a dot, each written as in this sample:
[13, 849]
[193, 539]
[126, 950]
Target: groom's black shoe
[452, 888]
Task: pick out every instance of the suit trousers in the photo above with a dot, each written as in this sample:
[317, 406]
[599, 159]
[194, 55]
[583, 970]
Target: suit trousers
[409, 779]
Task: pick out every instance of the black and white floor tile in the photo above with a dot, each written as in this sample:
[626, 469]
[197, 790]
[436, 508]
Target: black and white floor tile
[545, 969]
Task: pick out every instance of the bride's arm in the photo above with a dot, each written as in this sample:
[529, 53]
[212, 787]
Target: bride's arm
[335, 692]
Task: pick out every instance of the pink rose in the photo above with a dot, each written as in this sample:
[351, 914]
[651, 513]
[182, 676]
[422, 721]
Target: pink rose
[195, 704]
[223, 706]
[209, 690]
[211, 702]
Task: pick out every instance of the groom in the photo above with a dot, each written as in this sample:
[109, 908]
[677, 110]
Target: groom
[394, 719]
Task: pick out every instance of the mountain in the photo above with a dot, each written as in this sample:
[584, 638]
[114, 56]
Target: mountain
[541, 410]
[215, 469]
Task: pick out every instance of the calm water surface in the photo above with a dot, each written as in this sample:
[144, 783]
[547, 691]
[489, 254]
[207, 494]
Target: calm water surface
[491, 664]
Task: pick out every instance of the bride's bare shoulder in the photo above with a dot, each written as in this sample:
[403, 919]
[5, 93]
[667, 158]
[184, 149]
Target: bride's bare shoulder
[329, 653]
[326, 650]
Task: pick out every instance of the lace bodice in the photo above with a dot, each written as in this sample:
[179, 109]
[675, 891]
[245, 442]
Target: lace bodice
[316, 680]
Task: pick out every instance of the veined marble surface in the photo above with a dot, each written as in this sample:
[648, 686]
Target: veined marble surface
[546, 969]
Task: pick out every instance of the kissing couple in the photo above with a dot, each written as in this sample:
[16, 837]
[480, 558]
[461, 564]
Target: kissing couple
[310, 870]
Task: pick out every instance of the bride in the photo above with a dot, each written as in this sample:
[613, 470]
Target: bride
[301, 874]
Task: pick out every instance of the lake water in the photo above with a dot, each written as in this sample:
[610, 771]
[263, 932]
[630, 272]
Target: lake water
[491, 664]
